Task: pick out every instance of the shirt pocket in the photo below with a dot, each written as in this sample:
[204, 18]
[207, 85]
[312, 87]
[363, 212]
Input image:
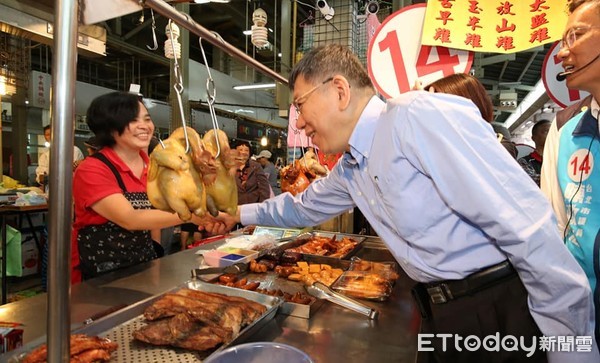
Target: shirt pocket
[408, 201]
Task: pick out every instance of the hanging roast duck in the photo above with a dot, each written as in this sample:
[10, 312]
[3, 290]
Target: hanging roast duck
[296, 177]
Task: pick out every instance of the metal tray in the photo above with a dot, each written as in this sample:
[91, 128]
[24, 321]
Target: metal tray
[327, 259]
[119, 327]
[270, 281]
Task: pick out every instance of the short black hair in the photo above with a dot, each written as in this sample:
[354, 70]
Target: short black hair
[92, 143]
[239, 142]
[47, 127]
[537, 125]
[112, 112]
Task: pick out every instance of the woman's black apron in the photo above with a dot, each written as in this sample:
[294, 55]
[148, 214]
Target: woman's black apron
[107, 247]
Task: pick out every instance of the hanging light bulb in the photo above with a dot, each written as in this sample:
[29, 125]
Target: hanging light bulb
[259, 31]
[264, 141]
[172, 46]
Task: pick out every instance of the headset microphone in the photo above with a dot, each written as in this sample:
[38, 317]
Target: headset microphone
[563, 75]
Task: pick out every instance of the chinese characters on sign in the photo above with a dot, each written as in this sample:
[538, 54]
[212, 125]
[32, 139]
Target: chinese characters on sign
[493, 25]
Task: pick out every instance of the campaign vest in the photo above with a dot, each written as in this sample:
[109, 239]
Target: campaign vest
[579, 181]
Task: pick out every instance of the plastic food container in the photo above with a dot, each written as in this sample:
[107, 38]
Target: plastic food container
[363, 285]
[387, 270]
[228, 256]
[263, 352]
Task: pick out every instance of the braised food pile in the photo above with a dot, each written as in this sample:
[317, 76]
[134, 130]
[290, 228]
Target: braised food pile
[296, 177]
[83, 349]
[325, 246]
[197, 320]
[195, 181]
[232, 280]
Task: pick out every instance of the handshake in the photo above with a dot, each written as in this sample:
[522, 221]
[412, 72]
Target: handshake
[218, 225]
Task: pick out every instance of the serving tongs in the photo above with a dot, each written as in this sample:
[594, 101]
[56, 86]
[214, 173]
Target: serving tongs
[236, 268]
[321, 291]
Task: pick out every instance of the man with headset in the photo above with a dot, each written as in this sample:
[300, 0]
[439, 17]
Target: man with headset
[478, 237]
[569, 178]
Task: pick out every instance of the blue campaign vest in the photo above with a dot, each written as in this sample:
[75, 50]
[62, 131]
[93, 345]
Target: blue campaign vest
[577, 173]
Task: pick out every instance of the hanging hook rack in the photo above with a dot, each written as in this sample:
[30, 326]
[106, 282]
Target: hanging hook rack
[211, 95]
[306, 21]
[187, 22]
[155, 47]
[178, 86]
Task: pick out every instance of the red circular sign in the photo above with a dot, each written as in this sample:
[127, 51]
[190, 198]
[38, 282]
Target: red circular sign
[397, 59]
[558, 91]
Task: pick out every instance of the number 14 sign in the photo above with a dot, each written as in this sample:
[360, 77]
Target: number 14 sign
[396, 58]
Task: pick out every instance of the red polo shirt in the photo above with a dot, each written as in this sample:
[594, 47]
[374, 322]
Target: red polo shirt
[93, 181]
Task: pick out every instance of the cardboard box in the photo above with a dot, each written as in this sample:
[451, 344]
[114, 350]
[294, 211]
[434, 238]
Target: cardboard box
[11, 337]
[30, 256]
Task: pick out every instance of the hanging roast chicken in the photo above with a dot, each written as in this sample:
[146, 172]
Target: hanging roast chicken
[296, 177]
[174, 183]
[221, 188]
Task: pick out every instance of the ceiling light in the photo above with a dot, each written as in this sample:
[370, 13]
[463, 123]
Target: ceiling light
[247, 87]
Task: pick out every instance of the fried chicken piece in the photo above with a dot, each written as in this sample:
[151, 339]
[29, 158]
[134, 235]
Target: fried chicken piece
[180, 331]
[251, 310]
[79, 344]
[90, 356]
[209, 313]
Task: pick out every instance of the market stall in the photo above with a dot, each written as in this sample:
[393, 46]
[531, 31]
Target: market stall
[331, 333]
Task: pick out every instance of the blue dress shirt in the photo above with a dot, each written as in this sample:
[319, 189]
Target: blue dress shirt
[432, 180]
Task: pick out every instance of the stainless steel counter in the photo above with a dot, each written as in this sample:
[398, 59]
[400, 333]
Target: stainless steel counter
[331, 334]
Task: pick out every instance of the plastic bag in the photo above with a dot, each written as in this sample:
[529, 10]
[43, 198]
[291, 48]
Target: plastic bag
[31, 198]
[13, 251]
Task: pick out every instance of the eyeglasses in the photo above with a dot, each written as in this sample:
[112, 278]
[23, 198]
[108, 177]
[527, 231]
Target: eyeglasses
[306, 95]
[573, 34]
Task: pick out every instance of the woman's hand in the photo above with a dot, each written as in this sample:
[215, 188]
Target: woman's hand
[221, 224]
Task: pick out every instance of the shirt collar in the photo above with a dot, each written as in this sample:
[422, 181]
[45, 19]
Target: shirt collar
[361, 139]
[120, 164]
[595, 108]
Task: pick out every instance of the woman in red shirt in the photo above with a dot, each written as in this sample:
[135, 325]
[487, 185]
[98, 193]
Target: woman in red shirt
[113, 216]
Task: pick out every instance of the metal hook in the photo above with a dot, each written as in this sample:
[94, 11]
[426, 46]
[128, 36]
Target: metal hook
[153, 33]
[211, 95]
[178, 87]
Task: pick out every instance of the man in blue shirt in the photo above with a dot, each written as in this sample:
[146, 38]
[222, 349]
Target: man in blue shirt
[459, 215]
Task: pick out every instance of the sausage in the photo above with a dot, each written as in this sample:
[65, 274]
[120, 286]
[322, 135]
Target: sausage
[290, 258]
[252, 285]
[241, 282]
[227, 278]
[269, 263]
[300, 298]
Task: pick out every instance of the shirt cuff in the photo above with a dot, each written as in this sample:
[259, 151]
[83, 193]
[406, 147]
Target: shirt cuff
[249, 214]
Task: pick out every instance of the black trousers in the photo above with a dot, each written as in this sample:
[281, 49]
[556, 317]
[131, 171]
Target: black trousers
[500, 310]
